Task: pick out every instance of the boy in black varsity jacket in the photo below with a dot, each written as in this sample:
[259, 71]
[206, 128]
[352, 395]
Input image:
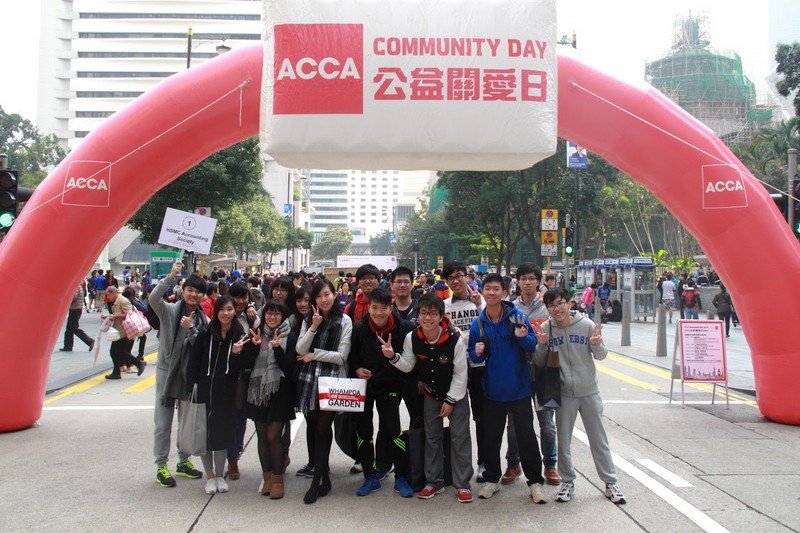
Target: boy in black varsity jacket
[436, 351]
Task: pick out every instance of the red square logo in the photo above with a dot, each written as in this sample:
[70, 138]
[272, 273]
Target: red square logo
[319, 69]
[87, 184]
[723, 187]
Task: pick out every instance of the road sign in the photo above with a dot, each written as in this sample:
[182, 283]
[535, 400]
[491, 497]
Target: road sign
[549, 219]
[392, 238]
[549, 237]
[549, 250]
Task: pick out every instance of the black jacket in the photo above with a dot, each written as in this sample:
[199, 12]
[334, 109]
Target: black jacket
[365, 352]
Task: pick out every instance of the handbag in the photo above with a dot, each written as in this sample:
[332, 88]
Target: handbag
[414, 439]
[342, 394]
[135, 324]
[344, 431]
[192, 426]
[547, 382]
[113, 335]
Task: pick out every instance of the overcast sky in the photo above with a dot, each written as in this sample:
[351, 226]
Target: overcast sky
[617, 35]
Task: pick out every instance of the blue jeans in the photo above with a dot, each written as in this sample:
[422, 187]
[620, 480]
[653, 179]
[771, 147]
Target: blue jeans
[547, 432]
[691, 313]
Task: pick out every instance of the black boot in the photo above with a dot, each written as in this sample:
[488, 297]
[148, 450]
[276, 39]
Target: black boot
[325, 485]
[313, 491]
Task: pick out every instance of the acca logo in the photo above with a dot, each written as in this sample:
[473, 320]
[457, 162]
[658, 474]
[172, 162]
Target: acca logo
[319, 69]
[723, 187]
[87, 184]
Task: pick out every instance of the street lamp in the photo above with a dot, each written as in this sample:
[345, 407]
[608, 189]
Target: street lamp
[221, 48]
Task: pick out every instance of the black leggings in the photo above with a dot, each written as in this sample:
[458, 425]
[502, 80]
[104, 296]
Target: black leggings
[270, 446]
[322, 421]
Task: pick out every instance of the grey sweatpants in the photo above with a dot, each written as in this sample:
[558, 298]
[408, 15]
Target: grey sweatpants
[162, 416]
[460, 444]
[591, 410]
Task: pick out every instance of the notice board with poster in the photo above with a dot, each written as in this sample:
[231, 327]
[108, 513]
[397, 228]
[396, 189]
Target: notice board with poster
[702, 355]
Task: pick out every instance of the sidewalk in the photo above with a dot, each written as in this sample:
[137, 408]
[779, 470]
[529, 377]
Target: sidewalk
[67, 368]
[644, 343]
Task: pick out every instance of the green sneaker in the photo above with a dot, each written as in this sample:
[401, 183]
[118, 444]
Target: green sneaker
[164, 478]
[187, 469]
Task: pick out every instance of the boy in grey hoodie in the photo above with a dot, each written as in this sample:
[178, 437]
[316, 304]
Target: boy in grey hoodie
[577, 340]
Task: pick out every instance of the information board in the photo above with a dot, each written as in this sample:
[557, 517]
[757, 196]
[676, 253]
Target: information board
[703, 351]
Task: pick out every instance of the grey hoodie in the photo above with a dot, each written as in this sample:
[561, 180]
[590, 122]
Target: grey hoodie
[575, 352]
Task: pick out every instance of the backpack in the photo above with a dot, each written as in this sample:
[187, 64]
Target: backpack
[152, 317]
[690, 298]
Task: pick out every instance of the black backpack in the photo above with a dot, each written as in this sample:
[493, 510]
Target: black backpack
[152, 317]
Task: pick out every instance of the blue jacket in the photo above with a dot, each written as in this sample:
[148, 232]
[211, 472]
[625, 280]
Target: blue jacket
[507, 376]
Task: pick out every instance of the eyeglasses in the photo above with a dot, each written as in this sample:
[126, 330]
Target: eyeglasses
[280, 289]
[555, 305]
[457, 277]
[273, 313]
[428, 314]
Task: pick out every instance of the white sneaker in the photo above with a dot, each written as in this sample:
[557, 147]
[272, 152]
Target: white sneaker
[537, 493]
[488, 490]
[614, 493]
[222, 485]
[566, 491]
[211, 485]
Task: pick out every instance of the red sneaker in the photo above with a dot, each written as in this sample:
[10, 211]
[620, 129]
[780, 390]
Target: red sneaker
[429, 492]
[464, 495]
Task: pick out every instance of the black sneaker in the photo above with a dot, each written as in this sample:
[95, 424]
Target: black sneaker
[164, 478]
[187, 469]
[306, 471]
[381, 472]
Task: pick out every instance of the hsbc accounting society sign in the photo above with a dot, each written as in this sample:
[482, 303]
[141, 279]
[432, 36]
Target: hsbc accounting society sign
[456, 84]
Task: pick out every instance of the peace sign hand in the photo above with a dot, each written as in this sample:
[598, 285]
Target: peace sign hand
[542, 337]
[255, 337]
[474, 296]
[316, 319]
[596, 339]
[237, 347]
[276, 339]
[520, 328]
[386, 346]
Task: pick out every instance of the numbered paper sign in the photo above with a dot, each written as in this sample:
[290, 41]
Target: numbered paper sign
[445, 85]
[188, 231]
[703, 350]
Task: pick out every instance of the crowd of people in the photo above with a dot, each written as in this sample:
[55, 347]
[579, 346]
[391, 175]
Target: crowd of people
[452, 344]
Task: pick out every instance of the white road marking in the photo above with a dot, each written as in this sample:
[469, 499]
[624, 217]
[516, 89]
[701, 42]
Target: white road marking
[668, 476]
[705, 522]
[665, 402]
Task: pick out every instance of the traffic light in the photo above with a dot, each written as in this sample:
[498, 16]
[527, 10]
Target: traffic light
[569, 241]
[9, 203]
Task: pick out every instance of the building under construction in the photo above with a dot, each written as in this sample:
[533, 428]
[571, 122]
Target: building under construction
[710, 85]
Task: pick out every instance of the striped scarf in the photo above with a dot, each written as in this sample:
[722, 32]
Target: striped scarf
[327, 338]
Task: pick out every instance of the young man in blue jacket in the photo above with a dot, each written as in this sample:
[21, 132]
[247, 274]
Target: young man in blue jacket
[499, 339]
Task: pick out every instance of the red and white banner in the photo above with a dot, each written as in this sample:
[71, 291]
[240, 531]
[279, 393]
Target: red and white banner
[409, 84]
[342, 394]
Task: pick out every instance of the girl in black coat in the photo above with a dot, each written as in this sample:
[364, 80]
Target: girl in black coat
[213, 367]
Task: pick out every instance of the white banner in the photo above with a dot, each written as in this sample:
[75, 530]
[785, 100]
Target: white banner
[409, 84]
[383, 262]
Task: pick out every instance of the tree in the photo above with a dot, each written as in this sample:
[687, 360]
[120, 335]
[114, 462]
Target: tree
[297, 237]
[381, 244]
[335, 241]
[229, 176]
[788, 58]
[27, 149]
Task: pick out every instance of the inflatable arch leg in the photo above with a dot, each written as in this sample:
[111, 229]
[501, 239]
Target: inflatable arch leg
[197, 112]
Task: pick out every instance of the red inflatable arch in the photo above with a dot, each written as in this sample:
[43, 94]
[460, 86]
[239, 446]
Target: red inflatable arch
[197, 112]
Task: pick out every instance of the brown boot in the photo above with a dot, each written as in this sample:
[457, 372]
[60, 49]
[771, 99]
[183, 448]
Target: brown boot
[267, 486]
[233, 469]
[276, 489]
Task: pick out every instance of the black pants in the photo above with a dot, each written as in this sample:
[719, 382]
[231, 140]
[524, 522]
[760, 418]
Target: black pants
[494, 420]
[476, 403]
[121, 355]
[726, 316]
[388, 424]
[74, 328]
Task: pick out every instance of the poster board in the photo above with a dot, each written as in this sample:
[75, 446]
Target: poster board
[702, 355]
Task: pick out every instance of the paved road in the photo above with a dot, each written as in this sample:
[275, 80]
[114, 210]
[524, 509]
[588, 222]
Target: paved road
[700, 467]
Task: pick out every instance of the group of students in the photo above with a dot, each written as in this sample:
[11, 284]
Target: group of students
[443, 358]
